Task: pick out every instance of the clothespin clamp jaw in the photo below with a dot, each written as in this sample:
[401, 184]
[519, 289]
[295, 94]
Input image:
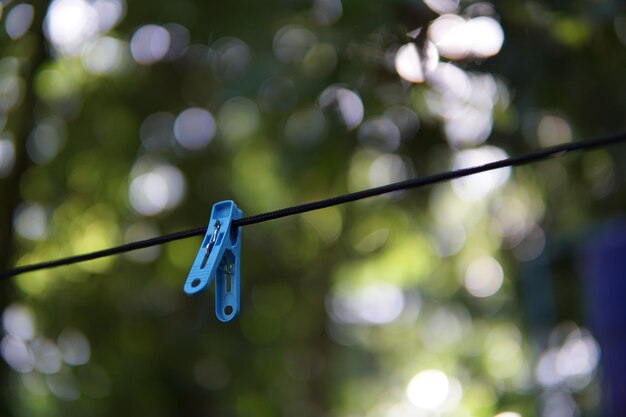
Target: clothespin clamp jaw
[218, 257]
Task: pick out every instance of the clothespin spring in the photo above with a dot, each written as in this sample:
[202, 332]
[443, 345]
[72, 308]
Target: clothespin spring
[209, 246]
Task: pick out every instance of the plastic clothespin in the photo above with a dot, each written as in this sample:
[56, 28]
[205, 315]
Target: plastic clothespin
[219, 257]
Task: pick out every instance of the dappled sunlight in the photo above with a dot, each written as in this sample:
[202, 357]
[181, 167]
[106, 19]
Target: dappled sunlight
[130, 120]
[31, 221]
[292, 42]
[479, 186]
[150, 44]
[553, 130]
[483, 277]
[380, 133]
[105, 56]
[455, 321]
[194, 128]
[443, 6]
[376, 304]
[504, 357]
[433, 390]
[155, 188]
[449, 238]
[71, 23]
[46, 356]
[413, 67]
[457, 38]
[571, 359]
[19, 20]
[74, 347]
[346, 103]
[387, 168]
[19, 321]
[39, 358]
[465, 103]
[17, 355]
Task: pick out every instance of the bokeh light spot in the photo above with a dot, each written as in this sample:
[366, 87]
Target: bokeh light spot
[378, 303]
[194, 128]
[74, 347]
[411, 66]
[230, 58]
[387, 168]
[110, 12]
[487, 36]
[105, 55]
[179, 40]
[11, 90]
[428, 389]
[380, 133]
[160, 188]
[70, 23]
[16, 354]
[31, 221]
[327, 12]
[458, 38]
[346, 103]
[149, 44]
[442, 6]
[46, 355]
[405, 119]
[292, 42]
[483, 277]
[46, 140]
[479, 186]
[19, 321]
[18, 20]
[553, 130]
[7, 157]
[238, 118]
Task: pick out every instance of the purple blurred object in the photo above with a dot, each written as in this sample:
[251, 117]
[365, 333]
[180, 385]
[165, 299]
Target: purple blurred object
[604, 262]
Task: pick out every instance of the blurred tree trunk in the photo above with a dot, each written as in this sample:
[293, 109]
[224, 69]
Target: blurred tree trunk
[22, 124]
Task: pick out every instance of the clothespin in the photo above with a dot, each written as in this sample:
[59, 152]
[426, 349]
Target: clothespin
[219, 257]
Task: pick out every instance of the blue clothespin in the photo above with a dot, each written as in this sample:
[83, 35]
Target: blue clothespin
[219, 256]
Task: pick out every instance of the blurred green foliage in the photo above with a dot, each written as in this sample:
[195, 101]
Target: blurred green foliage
[123, 121]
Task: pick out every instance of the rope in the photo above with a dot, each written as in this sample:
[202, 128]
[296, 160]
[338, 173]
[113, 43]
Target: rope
[529, 158]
